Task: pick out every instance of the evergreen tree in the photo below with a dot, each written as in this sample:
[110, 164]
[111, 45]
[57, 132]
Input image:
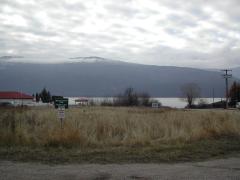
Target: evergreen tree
[37, 97]
[234, 93]
[44, 96]
[49, 97]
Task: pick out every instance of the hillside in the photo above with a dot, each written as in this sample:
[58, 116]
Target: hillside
[94, 76]
[236, 72]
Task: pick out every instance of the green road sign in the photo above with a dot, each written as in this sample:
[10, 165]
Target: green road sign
[61, 103]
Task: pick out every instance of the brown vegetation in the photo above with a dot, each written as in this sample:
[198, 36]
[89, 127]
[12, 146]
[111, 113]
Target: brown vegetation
[113, 127]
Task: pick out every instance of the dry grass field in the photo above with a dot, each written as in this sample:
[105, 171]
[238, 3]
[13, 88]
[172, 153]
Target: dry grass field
[103, 134]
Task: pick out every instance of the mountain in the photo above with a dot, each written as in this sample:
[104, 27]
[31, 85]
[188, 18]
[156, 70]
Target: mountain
[94, 76]
[236, 72]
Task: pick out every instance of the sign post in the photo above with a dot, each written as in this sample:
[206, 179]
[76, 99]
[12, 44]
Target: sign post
[61, 105]
[61, 114]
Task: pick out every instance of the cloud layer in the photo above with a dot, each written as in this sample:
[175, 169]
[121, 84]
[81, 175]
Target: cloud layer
[195, 33]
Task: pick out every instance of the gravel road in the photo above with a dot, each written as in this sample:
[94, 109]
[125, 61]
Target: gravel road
[215, 169]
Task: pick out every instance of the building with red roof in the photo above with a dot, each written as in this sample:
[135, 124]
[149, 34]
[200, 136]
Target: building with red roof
[15, 98]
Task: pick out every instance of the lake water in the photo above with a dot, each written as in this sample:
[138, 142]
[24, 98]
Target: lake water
[171, 102]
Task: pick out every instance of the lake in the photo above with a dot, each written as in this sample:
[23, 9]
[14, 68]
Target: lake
[171, 102]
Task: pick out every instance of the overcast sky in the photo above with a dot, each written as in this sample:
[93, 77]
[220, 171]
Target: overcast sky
[196, 33]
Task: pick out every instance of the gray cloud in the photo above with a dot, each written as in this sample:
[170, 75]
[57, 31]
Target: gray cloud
[122, 9]
[181, 21]
[196, 33]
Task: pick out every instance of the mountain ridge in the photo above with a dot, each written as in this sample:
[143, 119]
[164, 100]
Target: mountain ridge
[103, 78]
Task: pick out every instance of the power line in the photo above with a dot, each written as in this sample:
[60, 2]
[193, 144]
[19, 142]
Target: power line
[226, 76]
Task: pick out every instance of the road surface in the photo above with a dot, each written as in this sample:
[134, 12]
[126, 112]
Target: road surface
[215, 169]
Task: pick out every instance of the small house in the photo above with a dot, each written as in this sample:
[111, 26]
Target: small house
[15, 98]
[83, 101]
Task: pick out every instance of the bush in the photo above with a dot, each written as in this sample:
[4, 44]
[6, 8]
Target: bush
[132, 98]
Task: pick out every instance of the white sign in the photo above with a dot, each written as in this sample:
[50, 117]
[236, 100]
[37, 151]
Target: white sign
[61, 113]
[238, 105]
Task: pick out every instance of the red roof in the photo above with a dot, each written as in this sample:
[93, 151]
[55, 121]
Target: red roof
[14, 95]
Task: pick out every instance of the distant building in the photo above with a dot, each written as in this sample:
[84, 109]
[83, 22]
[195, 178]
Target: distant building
[156, 105]
[15, 98]
[83, 101]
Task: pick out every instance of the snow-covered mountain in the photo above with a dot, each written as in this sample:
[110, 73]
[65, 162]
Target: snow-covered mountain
[95, 76]
[93, 59]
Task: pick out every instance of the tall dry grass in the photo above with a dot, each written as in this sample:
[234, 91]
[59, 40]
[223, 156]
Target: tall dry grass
[111, 126]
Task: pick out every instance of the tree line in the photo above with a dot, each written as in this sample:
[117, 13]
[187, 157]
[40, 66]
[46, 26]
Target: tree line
[234, 94]
[132, 98]
[191, 92]
[44, 96]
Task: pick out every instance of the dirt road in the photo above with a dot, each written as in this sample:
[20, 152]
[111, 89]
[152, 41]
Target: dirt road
[215, 169]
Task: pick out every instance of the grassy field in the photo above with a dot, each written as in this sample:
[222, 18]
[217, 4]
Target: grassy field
[114, 134]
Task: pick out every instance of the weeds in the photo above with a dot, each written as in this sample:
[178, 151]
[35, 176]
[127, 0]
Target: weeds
[109, 126]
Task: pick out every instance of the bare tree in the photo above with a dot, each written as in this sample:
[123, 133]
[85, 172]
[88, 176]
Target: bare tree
[132, 98]
[144, 99]
[190, 92]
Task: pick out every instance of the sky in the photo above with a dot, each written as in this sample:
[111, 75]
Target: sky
[196, 33]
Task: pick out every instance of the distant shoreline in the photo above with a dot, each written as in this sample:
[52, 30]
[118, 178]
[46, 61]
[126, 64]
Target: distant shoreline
[174, 102]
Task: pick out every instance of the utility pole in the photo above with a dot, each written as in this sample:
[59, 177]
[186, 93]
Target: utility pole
[226, 76]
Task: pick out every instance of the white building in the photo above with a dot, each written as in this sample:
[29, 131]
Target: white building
[83, 101]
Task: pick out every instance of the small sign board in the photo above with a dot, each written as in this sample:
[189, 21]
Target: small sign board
[61, 112]
[155, 105]
[60, 103]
